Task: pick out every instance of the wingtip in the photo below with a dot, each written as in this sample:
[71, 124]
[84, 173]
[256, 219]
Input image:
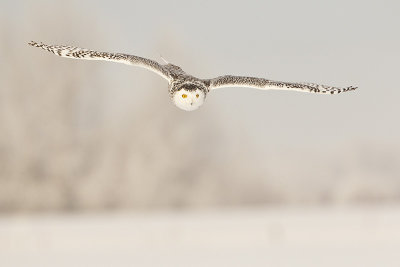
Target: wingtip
[35, 44]
[351, 88]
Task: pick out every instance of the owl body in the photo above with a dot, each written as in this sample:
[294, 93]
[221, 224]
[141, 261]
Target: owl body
[186, 91]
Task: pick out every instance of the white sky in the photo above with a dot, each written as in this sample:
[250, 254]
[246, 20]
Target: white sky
[338, 43]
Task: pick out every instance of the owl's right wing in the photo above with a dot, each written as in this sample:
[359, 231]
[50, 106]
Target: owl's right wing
[81, 53]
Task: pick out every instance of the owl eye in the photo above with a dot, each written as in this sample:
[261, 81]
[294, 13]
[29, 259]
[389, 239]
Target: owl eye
[184, 95]
[197, 95]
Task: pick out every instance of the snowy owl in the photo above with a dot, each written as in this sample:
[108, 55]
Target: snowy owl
[186, 91]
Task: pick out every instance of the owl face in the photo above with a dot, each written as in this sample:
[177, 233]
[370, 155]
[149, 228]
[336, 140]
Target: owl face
[188, 100]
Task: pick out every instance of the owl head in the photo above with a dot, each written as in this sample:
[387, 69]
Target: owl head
[189, 97]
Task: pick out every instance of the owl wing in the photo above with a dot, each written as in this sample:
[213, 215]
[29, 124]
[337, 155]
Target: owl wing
[260, 83]
[81, 53]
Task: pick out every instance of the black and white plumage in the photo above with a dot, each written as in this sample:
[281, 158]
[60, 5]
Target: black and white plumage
[186, 91]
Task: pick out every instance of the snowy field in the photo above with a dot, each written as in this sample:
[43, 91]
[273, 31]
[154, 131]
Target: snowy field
[258, 237]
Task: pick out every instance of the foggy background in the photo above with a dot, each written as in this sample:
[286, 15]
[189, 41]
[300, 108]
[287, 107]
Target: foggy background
[89, 136]
[82, 135]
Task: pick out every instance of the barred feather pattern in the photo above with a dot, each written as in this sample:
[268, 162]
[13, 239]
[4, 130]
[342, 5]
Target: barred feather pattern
[82, 53]
[260, 83]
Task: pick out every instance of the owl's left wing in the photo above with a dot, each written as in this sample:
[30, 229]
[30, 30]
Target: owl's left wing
[260, 83]
[82, 53]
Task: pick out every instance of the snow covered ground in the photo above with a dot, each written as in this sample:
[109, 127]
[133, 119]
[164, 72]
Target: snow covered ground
[257, 237]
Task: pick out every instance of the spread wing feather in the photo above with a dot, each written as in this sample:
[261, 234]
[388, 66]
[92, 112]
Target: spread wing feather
[81, 53]
[260, 83]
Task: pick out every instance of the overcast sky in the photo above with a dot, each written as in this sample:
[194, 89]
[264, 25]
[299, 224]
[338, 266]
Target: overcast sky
[339, 43]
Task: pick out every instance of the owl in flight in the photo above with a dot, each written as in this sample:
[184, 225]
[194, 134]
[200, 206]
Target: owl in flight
[186, 91]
